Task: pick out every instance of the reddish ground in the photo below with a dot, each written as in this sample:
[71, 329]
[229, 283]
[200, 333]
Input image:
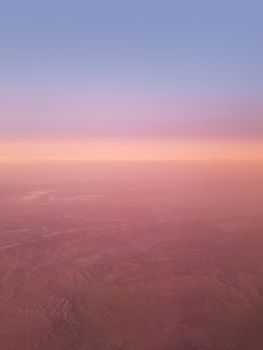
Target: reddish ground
[160, 263]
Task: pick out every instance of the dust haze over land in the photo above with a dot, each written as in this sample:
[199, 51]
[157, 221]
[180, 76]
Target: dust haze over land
[145, 256]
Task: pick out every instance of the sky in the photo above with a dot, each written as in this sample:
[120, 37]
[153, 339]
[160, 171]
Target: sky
[130, 79]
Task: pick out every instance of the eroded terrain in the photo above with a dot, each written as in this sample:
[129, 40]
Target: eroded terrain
[141, 267]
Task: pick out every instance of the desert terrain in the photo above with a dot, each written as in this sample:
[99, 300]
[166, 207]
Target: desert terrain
[141, 263]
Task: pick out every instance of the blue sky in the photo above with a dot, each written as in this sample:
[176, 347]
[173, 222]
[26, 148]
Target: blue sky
[126, 68]
[183, 48]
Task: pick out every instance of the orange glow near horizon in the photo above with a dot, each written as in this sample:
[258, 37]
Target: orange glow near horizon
[128, 149]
